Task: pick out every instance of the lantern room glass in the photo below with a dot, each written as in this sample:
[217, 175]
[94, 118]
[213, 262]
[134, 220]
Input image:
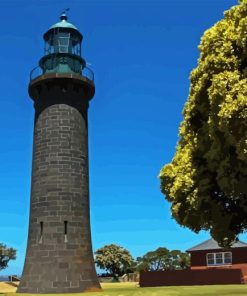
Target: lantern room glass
[63, 42]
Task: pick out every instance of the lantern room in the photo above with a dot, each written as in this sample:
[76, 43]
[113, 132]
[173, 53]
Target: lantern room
[62, 49]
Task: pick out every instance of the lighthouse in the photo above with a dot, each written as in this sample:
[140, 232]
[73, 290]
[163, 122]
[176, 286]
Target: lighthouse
[59, 257]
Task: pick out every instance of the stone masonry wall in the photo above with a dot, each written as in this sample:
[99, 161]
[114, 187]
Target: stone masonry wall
[59, 254]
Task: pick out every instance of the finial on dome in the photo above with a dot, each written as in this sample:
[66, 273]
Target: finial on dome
[63, 16]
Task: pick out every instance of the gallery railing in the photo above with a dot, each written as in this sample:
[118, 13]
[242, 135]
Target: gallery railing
[86, 72]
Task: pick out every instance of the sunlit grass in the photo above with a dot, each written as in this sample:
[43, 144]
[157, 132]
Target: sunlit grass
[132, 289]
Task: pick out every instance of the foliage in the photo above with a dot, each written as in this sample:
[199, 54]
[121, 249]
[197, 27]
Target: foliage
[163, 259]
[114, 259]
[206, 180]
[6, 254]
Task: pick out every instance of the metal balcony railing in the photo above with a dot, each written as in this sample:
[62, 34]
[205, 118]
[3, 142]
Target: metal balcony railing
[86, 72]
[35, 72]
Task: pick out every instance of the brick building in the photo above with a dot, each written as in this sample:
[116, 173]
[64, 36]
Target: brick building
[210, 265]
[209, 255]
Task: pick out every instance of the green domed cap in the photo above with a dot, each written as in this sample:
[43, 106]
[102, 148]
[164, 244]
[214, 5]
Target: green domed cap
[63, 23]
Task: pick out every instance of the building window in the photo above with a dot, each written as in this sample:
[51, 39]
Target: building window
[221, 258]
[228, 258]
[210, 259]
[63, 44]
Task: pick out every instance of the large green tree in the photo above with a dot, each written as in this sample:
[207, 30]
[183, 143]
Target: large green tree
[6, 254]
[163, 259]
[206, 181]
[114, 259]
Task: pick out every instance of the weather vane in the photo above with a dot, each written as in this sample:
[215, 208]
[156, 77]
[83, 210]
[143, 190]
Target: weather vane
[65, 10]
[63, 15]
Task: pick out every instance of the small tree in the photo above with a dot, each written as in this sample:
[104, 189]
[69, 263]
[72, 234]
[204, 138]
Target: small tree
[163, 259]
[6, 254]
[184, 261]
[114, 259]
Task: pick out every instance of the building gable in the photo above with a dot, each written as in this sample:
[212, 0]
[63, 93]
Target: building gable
[212, 244]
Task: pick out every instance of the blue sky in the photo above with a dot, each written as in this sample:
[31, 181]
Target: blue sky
[142, 53]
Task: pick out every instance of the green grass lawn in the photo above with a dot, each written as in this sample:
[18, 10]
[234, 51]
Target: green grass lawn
[131, 289]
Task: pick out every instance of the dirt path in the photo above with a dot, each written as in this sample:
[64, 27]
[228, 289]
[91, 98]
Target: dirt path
[6, 288]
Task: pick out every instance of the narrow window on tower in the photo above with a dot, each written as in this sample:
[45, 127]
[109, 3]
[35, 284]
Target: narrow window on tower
[41, 233]
[65, 231]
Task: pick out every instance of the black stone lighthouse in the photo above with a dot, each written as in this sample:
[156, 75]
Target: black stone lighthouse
[59, 256]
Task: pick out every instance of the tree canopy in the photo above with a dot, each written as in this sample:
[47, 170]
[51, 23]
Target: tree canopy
[163, 259]
[114, 259]
[206, 179]
[6, 254]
